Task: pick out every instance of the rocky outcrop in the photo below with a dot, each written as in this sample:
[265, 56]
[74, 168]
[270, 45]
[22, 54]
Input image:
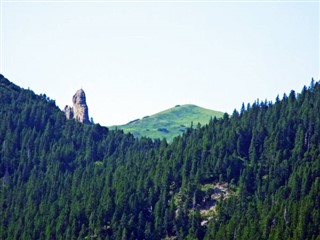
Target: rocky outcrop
[80, 108]
[69, 112]
[79, 111]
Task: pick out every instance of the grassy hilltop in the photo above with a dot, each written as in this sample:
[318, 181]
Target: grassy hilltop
[169, 123]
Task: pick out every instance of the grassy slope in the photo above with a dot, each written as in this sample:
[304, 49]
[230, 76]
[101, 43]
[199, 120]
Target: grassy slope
[170, 123]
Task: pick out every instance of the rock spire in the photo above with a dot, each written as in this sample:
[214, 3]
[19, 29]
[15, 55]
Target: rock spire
[79, 111]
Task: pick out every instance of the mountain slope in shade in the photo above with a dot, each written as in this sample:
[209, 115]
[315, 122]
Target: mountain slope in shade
[169, 123]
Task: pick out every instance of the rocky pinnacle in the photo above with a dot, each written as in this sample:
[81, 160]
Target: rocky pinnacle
[79, 111]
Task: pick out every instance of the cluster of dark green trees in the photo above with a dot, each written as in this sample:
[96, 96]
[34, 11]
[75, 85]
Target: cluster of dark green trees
[64, 180]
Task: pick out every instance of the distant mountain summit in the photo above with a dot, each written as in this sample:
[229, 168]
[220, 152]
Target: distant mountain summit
[79, 111]
[169, 123]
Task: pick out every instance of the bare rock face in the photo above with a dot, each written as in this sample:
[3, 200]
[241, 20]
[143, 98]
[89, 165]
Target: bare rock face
[79, 111]
[69, 112]
[80, 108]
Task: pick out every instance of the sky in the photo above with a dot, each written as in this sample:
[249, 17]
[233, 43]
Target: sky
[136, 58]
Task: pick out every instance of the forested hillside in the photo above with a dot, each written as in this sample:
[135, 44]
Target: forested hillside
[64, 180]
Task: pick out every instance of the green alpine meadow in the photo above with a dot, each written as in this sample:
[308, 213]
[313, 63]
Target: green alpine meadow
[169, 123]
[253, 174]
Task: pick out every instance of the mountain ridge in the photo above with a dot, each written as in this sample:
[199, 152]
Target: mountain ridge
[253, 175]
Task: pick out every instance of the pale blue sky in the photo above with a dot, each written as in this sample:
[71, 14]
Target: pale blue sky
[136, 59]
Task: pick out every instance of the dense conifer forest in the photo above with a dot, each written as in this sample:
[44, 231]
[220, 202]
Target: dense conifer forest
[61, 179]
